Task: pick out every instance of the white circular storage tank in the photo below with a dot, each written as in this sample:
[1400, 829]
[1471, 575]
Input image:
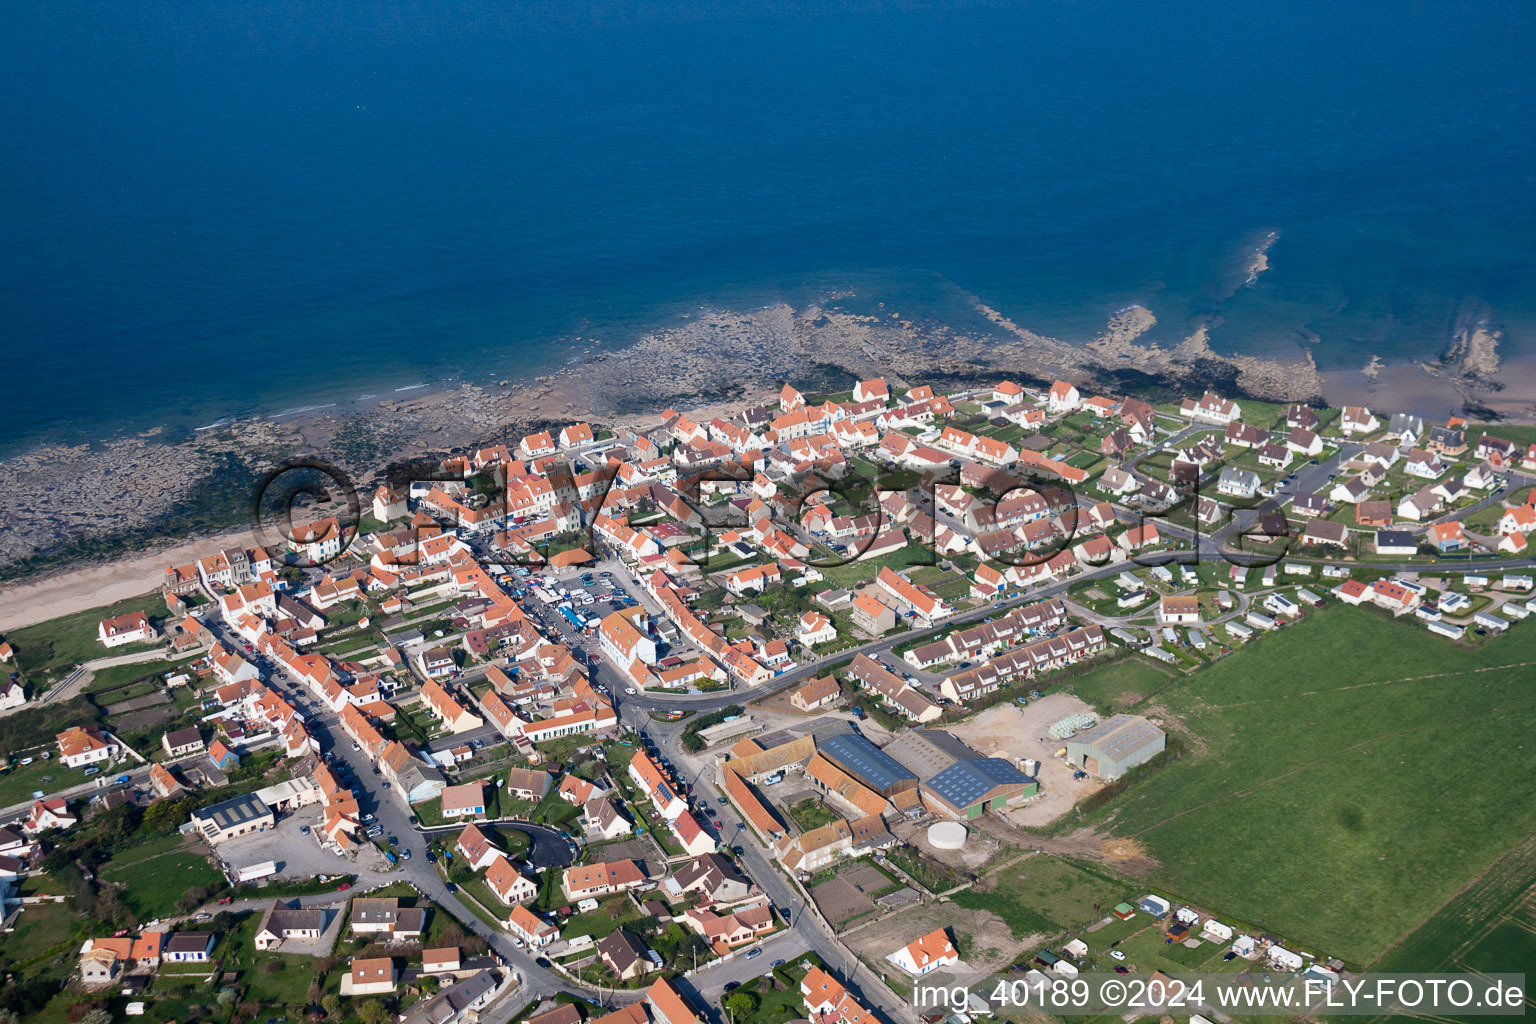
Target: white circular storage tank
[947, 835]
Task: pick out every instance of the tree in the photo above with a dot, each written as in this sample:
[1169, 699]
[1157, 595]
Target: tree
[741, 1002]
[192, 899]
[372, 1012]
[166, 815]
[331, 1004]
[110, 910]
[96, 1015]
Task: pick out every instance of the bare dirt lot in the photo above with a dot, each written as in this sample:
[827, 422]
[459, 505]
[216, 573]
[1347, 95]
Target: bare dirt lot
[864, 877]
[851, 893]
[840, 900]
[978, 851]
[1013, 732]
[988, 944]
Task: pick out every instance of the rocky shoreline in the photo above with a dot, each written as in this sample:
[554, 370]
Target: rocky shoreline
[97, 502]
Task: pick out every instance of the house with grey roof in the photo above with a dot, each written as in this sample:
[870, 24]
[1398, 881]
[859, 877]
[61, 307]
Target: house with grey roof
[1237, 483]
[462, 1002]
[1406, 427]
[286, 919]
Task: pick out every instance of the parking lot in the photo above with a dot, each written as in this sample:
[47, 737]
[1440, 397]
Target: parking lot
[590, 595]
[298, 855]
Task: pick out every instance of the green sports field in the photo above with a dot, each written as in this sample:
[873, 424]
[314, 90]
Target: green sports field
[1341, 780]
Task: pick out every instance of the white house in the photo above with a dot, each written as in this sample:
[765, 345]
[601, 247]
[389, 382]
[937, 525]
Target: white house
[1118, 482]
[83, 745]
[1063, 397]
[1357, 419]
[815, 628]
[871, 390]
[527, 926]
[926, 954]
[372, 976]
[1237, 483]
[187, 948]
[1211, 408]
[129, 628]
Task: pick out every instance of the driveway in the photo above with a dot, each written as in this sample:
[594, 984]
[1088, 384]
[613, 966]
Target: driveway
[300, 856]
[549, 847]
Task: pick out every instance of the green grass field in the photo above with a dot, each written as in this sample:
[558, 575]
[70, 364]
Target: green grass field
[1044, 895]
[156, 873]
[52, 648]
[1367, 750]
[285, 987]
[45, 934]
[1490, 926]
[1116, 686]
[854, 573]
[19, 783]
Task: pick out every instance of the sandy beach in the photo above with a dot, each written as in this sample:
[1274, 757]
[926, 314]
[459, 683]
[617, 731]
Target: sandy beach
[63, 593]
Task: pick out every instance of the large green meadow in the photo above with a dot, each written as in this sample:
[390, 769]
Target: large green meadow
[1341, 780]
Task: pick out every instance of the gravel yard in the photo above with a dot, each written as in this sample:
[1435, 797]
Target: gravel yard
[1013, 732]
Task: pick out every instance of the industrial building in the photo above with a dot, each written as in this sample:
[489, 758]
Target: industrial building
[926, 752]
[1114, 745]
[868, 764]
[239, 816]
[968, 788]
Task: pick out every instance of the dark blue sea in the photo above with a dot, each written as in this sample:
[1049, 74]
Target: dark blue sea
[216, 208]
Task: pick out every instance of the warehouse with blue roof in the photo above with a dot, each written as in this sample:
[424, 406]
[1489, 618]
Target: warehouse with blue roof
[970, 787]
[860, 758]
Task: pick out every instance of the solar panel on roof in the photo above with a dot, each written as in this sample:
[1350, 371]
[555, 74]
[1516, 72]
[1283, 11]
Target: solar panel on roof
[236, 811]
[965, 782]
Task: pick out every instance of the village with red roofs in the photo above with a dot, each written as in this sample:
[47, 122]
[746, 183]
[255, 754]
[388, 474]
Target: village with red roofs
[793, 713]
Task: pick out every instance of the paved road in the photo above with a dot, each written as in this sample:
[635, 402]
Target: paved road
[538, 982]
[807, 932]
[395, 819]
